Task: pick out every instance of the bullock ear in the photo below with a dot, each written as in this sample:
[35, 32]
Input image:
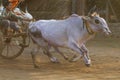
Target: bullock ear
[94, 14]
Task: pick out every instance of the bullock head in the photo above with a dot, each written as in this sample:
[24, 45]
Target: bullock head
[27, 17]
[97, 23]
[27, 14]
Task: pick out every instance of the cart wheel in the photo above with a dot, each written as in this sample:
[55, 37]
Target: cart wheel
[11, 48]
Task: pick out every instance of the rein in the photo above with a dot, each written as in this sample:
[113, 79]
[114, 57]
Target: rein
[88, 28]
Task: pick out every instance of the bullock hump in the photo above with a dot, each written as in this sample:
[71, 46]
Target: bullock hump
[74, 15]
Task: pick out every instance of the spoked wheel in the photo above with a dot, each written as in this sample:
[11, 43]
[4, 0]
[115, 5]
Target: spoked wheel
[11, 47]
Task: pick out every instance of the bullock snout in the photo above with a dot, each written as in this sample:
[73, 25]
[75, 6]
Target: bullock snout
[107, 31]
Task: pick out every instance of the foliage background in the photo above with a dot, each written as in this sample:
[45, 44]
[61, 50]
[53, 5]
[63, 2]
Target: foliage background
[101, 4]
[58, 9]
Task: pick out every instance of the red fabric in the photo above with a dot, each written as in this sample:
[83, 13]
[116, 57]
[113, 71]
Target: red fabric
[13, 4]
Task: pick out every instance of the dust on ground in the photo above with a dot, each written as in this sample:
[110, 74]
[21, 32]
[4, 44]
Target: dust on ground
[104, 52]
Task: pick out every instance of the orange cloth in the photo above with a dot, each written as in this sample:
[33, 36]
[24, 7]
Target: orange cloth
[13, 4]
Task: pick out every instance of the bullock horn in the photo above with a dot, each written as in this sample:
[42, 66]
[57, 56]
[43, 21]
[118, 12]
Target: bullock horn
[26, 10]
[92, 10]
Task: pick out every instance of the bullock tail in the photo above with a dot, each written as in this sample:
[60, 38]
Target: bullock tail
[31, 36]
[36, 37]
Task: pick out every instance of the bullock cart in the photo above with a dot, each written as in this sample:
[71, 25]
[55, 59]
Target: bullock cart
[12, 43]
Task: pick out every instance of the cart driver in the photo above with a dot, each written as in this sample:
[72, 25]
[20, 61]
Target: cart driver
[8, 12]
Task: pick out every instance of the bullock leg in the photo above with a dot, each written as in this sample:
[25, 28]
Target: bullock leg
[79, 50]
[76, 48]
[86, 55]
[33, 53]
[57, 50]
[46, 52]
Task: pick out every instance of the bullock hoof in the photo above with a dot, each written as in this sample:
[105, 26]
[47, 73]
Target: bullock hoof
[54, 60]
[74, 58]
[66, 58]
[88, 65]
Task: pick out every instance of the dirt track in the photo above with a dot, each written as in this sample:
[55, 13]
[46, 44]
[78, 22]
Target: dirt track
[105, 55]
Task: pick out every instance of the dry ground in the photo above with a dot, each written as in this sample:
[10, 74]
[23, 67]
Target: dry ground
[104, 52]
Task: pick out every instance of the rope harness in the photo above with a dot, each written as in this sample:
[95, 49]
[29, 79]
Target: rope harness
[88, 28]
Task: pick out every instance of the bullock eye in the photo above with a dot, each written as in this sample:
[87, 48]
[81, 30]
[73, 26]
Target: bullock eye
[97, 21]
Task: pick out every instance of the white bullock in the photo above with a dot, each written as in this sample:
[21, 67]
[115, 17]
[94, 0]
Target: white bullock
[19, 12]
[25, 14]
[14, 24]
[71, 33]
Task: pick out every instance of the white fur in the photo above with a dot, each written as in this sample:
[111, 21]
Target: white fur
[70, 33]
